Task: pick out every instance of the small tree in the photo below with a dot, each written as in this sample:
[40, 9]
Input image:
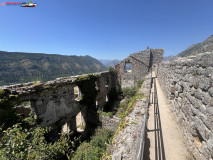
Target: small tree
[111, 69]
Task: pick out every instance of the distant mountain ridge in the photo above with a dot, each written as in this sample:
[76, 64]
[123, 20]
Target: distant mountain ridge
[19, 67]
[194, 49]
[168, 58]
[109, 63]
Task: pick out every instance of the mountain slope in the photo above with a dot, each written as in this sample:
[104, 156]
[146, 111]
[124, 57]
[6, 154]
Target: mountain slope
[18, 67]
[109, 63]
[205, 46]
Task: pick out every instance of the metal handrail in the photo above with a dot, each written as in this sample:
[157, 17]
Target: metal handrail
[159, 145]
[141, 144]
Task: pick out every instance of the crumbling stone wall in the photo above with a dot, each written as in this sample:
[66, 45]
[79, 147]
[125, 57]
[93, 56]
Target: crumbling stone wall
[117, 69]
[188, 83]
[110, 123]
[142, 62]
[55, 102]
[128, 140]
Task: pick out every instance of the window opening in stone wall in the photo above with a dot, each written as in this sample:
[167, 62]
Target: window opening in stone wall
[80, 122]
[77, 93]
[96, 85]
[24, 109]
[107, 98]
[66, 128]
[107, 82]
[128, 67]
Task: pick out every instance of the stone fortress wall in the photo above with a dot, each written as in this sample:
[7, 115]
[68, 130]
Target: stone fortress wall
[188, 84]
[55, 102]
[141, 62]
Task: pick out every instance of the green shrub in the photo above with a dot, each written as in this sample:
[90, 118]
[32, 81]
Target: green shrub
[111, 69]
[121, 109]
[129, 91]
[2, 92]
[94, 149]
[107, 114]
[19, 143]
[139, 83]
[129, 108]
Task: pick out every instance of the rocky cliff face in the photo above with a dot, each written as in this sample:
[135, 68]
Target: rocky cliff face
[188, 83]
[205, 46]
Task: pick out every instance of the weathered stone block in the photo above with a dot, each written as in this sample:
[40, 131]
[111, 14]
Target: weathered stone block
[206, 98]
[210, 110]
[176, 94]
[196, 82]
[192, 91]
[210, 145]
[204, 83]
[198, 94]
[211, 91]
[172, 89]
[178, 88]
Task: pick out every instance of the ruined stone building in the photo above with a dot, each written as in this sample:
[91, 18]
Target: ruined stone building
[137, 65]
[187, 82]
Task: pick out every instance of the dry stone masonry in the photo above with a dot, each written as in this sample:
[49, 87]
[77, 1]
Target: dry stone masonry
[188, 83]
[110, 123]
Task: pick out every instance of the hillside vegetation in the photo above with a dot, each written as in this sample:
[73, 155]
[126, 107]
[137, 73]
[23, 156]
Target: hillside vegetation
[18, 67]
[205, 46]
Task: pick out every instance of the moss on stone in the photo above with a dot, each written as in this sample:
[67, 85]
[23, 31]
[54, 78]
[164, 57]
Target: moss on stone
[54, 87]
[37, 83]
[2, 92]
[46, 86]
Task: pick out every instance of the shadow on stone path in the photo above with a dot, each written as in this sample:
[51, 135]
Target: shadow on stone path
[173, 139]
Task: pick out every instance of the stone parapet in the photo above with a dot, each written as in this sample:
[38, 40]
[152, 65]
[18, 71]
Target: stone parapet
[188, 83]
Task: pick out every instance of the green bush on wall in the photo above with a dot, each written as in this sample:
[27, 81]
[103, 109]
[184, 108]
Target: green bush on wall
[129, 91]
[96, 148]
[20, 143]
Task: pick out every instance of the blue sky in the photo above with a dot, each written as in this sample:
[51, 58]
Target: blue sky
[105, 29]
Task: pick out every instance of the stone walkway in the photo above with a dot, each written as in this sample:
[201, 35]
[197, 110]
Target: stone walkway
[173, 140]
